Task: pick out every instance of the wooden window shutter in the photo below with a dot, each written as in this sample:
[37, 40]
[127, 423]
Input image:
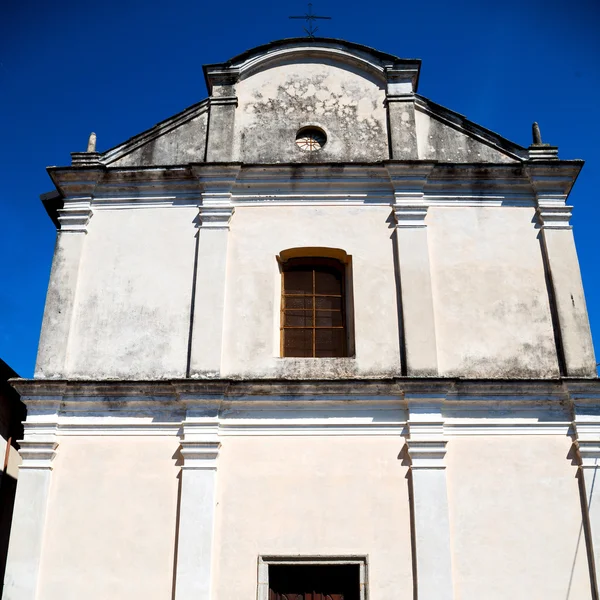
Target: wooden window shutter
[313, 320]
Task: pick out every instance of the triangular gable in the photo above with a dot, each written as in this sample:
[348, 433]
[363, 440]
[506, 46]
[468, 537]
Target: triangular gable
[180, 139]
[448, 136]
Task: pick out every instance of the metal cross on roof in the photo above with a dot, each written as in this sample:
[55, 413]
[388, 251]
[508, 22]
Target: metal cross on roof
[311, 28]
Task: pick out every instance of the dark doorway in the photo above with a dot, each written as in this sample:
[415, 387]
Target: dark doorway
[314, 582]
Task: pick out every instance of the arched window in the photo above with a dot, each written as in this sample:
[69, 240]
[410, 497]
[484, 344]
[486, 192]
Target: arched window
[313, 308]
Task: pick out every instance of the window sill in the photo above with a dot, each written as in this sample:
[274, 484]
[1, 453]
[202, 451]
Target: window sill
[316, 368]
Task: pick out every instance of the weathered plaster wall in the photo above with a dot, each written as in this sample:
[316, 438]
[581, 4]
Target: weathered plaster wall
[274, 103]
[308, 496]
[491, 305]
[111, 520]
[184, 144]
[251, 345]
[134, 293]
[438, 141]
[515, 519]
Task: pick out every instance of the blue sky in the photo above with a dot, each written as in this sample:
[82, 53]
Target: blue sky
[118, 67]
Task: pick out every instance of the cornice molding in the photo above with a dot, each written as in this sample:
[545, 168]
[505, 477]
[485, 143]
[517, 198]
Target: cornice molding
[552, 187]
[405, 185]
[413, 389]
[383, 67]
[427, 412]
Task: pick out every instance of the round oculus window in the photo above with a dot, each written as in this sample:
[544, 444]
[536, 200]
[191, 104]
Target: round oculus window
[310, 139]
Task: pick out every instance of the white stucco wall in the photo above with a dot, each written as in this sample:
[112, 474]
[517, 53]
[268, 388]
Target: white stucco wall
[492, 313]
[251, 344]
[515, 519]
[134, 291]
[273, 104]
[111, 520]
[312, 496]
[132, 303]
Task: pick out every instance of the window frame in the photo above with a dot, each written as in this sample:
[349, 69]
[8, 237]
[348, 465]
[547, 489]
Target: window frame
[265, 561]
[347, 309]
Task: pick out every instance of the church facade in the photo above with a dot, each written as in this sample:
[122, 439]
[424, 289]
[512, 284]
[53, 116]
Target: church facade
[315, 337]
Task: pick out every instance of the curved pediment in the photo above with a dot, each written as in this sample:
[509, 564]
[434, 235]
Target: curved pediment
[360, 58]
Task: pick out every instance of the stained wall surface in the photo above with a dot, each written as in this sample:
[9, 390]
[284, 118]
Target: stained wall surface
[515, 519]
[492, 312]
[335, 496]
[134, 291]
[437, 140]
[111, 519]
[251, 332]
[275, 103]
[182, 144]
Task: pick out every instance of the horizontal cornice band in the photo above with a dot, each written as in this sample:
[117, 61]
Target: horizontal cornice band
[446, 390]
[442, 184]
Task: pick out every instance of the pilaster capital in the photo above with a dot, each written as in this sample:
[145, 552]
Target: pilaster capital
[200, 442]
[223, 100]
[75, 215]
[402, 78]
[410, 215]
[551, 216]
[426, 454]
[552, 182]
[426, 442]
[408, 181]
[200, 455]
[216, 182]
[586, 427]
[403, 98]
[38, 447]
[215, 215]
[37, 453]
[220, 76]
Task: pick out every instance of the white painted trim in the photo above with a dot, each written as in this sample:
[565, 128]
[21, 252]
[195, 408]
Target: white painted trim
[327, 417]
[199, 449]
[264, 561]
[274, 56]
[426, 445]
[38, 449]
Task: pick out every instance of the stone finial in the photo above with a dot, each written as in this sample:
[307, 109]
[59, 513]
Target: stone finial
[538, 150]
[537, 136]
[91, 147]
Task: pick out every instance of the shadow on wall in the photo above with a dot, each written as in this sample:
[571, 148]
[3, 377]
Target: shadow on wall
[12, 415]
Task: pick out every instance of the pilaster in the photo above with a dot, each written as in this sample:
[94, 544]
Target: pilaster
[418, 322]
[552, 183]
[199, 449]
[586, 428]
[77, 188]
[37, 450]
[400, 100]
[215, 212]
[427, 448]
[221, 120]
